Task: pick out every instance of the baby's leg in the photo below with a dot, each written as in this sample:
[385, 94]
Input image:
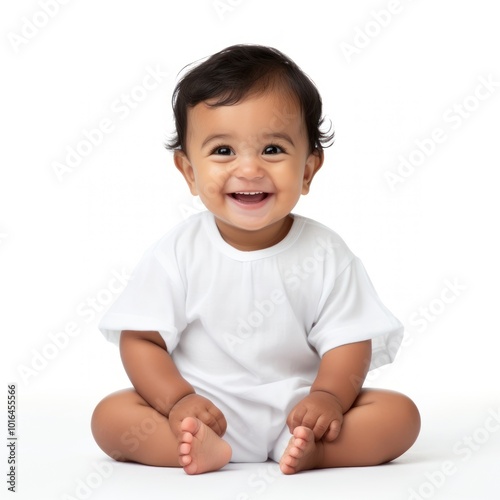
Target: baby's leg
[380, 426]
[128, 429]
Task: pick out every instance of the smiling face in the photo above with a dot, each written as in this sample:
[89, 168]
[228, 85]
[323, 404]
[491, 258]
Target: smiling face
[249, 163]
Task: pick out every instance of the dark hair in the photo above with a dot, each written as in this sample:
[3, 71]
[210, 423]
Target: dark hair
[231, 74]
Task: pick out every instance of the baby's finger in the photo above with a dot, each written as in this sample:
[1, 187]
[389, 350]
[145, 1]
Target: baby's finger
[175, 424]
[310, 420]
[321, 427]
[296, 417]
[214, 418]
[221, 421]
[333, 431]
[208, 419]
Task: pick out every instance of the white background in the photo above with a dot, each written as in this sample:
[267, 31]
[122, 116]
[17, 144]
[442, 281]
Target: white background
[62, 236]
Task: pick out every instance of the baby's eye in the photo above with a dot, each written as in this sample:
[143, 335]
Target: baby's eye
[222, 150]
[273, 149]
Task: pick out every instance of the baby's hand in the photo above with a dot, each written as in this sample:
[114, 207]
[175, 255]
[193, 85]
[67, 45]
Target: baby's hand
[319, 411]
[194, 405]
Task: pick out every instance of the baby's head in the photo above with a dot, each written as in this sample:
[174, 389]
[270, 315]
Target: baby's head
[248, 140]
[239, 71]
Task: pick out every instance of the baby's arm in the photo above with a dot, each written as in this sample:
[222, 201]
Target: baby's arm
[340, 377]
[157, 380]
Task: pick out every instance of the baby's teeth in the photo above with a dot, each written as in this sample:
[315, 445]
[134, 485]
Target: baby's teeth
[256, 192]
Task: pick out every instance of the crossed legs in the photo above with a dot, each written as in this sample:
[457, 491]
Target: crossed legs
[380, 426]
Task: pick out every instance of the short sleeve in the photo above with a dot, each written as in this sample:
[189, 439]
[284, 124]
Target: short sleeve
[153, 300]
[351, 311]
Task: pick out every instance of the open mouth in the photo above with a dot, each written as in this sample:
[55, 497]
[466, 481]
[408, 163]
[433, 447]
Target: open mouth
[250, 197]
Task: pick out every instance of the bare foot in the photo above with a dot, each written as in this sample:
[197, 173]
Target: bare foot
[302, 452]
[200, 448]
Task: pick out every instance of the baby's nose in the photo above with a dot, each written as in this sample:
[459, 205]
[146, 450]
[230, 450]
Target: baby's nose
[249, 167]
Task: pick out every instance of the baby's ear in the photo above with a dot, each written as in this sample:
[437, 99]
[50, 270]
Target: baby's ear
[313, 164]
[186, 169]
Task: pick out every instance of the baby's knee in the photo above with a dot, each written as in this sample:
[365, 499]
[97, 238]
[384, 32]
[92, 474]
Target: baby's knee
[100, 415]
[411, 410]
[102, 418]
[112, 406]
[408, 416]
[105, 422]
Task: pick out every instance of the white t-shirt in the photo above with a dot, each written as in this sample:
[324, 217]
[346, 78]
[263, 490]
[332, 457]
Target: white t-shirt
[253, 325]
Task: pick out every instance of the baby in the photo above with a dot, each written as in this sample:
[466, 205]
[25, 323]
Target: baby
[247, 330]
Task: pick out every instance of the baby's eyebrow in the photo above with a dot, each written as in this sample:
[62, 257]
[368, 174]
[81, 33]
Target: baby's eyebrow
[278, 135]
[266, 137]
[213, 137]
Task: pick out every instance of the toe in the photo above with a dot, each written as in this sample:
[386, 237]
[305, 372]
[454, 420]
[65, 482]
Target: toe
[184, 449]
[187, 437]
[300, 444]
[303, 433]
[190, 424]
[295, 451]
[286, 469]
[191, 468]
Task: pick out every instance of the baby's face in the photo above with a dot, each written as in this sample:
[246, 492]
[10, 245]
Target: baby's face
[249, 163]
